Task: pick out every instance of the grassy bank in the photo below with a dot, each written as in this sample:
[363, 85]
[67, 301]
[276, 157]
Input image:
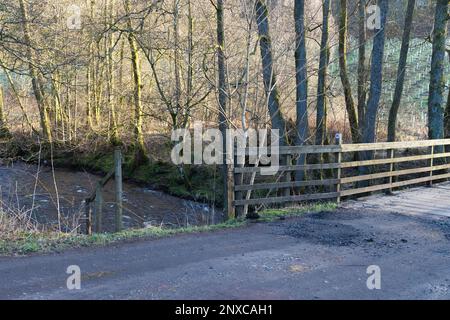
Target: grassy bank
[38, 242]
[28, 242]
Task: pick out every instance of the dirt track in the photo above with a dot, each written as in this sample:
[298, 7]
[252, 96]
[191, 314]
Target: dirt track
[319, 256]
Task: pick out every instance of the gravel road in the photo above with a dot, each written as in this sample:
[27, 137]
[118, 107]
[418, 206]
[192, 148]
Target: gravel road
[317, 256]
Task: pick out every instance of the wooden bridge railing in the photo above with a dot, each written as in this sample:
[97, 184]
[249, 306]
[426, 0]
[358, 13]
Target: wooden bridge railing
[349, 174]
[97, 198]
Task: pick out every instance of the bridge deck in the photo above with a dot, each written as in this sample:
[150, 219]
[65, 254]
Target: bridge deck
[423, 200]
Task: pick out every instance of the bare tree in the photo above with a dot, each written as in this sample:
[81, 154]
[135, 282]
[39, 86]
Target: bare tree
[362, 70]
[222, 96]
[321, 121]
[376, 78]
[301, 81]
[139, 145]
[401, 72]
[349, 102]
[36, 79]
[269, 75]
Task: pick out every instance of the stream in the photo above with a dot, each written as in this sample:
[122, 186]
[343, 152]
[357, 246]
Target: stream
[40, 193]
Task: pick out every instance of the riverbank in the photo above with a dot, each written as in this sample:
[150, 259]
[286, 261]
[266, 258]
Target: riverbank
[197, 183]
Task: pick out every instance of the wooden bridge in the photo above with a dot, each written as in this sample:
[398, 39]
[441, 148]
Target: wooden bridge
[414, 201]
[337, 171]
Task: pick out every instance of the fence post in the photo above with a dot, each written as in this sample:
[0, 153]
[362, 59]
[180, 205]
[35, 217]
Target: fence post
[231, 209]
[119, 188]
[391, 155]
[238, 180]
[431, 165]
[88, 214]
[98, 208]
[339, 170]
[287, 191]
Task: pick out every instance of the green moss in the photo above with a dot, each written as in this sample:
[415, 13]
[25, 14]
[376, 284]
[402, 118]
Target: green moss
[274, 214]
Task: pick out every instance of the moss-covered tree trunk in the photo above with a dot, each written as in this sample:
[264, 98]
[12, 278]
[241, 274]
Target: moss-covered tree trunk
[139, 145]
[301, 83]
[376, 78]
[114, 138]
[437, 81]
[269, 76]
[447, 111]
[37, 85]
[362, 70]
[401, 72]
[349, 102]
[321, 119]
[90, 101]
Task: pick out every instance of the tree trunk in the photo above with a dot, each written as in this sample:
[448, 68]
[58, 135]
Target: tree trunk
[376, 78]
[115, 141]
[89, 96]
[190, 59]
[177, 62]
[223, 96]
[301, 79]
[269, 76]
[121, 82]
[321, 121]
[362, 70]
[35, 80]
[437, 80]
[350, 104]
[139, 145]
[301, 73]
[90, 78]
[58, 112]
[447, 111]
[4, 132]
[401, 72]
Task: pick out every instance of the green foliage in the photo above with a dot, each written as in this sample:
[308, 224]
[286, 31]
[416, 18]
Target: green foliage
[417, 80]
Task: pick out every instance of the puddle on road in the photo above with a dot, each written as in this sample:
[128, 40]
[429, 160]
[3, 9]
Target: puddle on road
[28, 188]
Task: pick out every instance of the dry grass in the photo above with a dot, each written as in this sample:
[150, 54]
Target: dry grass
[14, 222]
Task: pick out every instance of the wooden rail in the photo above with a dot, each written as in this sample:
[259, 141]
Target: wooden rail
[394, 166]
[97, 198]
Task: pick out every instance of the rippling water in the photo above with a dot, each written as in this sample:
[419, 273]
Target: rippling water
[31, 189]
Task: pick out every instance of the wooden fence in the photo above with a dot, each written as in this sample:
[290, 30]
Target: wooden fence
[389, 166]
[96, 198]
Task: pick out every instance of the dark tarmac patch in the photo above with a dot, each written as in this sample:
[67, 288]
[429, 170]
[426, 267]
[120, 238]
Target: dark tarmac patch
[343, 229]
[337, 215]
[324, 232]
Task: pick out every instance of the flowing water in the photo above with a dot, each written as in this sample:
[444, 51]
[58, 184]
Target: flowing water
[45, 194]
